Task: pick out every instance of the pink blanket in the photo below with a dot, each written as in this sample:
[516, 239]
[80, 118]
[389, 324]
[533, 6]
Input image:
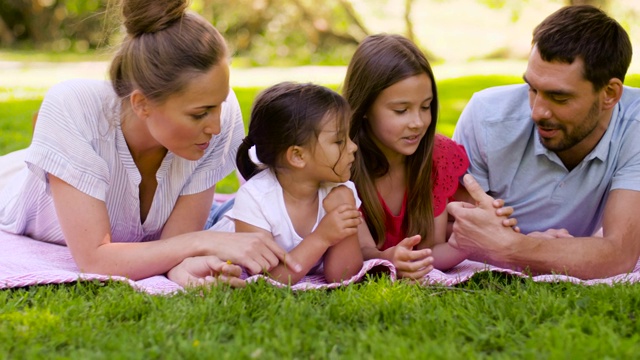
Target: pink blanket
[26, 262]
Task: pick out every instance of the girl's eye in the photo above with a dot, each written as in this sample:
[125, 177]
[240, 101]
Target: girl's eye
[340, 142]
[400, 111]
[426, 107]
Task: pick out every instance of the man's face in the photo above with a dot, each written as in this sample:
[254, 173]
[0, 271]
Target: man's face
[564, 106]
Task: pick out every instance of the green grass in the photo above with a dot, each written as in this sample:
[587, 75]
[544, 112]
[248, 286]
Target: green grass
[491, 316]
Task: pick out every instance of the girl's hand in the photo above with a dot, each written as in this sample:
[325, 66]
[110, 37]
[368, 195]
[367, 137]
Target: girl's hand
[339, 224]
[201, 270]
[409, 263]
[506, 211]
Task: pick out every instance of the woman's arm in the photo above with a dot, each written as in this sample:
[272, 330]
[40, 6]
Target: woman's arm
[86, 227]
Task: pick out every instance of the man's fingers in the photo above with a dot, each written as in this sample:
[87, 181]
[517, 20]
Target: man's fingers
[477, 193]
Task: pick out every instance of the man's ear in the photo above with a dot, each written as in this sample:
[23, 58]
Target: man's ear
[139, 104]
[612, 92]
[296, 156]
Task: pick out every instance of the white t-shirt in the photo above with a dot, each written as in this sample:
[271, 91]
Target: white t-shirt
[260, 202]
[79, 140]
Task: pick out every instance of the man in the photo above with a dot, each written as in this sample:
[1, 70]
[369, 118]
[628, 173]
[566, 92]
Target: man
[563, 150]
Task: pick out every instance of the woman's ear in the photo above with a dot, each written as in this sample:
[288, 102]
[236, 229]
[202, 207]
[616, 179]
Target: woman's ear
[296, 156]
[139, 104]
[612, 93]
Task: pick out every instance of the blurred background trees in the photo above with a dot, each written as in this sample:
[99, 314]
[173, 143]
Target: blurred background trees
[260, 32]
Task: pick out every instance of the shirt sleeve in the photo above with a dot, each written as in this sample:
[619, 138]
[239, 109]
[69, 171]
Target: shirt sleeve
[450, 162]
[64, 140]
[247, 207]
[470, 134]
[627, 170]
[220, 159]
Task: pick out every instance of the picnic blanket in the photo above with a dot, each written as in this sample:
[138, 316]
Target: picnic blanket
[28, 262]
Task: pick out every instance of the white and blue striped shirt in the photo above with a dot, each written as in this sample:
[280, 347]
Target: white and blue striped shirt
[79, 140]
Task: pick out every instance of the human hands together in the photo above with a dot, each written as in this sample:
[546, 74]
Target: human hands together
[202, 270]
[479, 228]
[409, 263]
[506, 211]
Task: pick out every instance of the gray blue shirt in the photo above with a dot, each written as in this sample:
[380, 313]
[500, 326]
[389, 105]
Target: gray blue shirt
[509, 162]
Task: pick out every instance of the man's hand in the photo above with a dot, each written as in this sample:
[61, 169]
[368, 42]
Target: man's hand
[479, 229]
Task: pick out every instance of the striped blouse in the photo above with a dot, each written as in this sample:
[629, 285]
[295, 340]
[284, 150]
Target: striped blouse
[78, 138]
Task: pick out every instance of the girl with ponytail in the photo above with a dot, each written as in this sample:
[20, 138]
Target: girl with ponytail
[297, 160]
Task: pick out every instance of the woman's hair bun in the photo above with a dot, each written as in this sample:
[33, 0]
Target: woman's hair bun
[149, 16]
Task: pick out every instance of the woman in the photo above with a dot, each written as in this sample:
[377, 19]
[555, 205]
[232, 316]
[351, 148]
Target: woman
[124, 173]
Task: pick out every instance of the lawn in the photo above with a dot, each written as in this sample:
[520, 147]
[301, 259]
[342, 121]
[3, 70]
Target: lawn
[490, 316]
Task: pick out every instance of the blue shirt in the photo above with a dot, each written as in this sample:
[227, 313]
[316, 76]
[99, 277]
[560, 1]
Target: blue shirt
[509, 162]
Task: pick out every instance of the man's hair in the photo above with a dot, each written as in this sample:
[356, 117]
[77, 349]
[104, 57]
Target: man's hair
[588, 33]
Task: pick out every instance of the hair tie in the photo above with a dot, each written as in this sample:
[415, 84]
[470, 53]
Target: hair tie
[253, 155]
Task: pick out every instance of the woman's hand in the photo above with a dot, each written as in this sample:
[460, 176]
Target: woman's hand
[255, 251]
[201, 270]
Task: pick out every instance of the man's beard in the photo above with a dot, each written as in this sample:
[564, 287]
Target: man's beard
[578, 134]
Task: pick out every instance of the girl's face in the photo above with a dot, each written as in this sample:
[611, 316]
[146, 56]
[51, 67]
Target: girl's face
[401, 115]
[333, 152]
[186, 121]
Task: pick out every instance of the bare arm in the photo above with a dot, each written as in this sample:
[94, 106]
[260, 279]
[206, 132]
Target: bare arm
[444, 255]
[344, 259]
[334, 228]
[86, 227]
[479, 231]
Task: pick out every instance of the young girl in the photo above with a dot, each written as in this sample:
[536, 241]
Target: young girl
[297, 187]
[404, 172]
[123, 172]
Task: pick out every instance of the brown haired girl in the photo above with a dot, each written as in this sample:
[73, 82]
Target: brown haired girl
[404, 172]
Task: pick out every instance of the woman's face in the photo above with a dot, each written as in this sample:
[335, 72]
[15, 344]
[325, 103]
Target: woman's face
[186, 121]
[400, 116]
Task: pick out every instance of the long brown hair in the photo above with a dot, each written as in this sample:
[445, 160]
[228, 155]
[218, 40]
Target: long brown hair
[164, 48]
[379, 62]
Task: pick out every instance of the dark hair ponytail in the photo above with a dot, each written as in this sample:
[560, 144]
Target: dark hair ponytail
[245, 165]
